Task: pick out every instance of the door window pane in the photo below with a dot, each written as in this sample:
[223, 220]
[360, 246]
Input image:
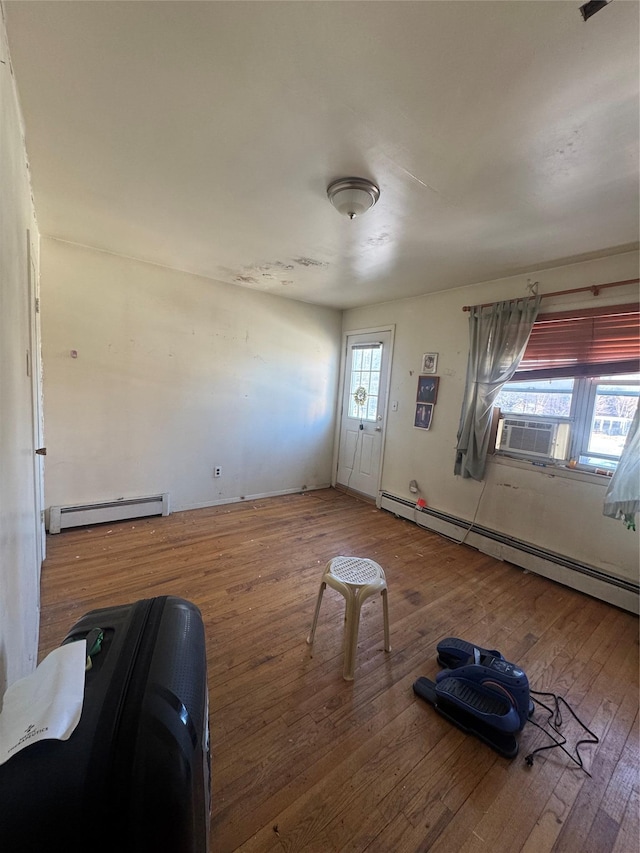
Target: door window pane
[365, 382]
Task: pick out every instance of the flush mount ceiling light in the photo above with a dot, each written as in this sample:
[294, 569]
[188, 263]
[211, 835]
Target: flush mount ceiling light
[353, 196]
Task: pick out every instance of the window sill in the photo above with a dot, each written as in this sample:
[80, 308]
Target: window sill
[552, 469]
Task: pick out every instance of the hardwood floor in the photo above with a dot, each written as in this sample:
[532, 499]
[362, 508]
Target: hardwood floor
[304, 761]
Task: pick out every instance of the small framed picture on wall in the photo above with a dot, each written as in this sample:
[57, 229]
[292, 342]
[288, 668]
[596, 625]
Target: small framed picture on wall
[427, 389]
[429, 362]
[424, 413]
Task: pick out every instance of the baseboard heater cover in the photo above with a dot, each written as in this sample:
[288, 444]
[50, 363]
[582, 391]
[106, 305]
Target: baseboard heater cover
[61, 517]
[616, 590]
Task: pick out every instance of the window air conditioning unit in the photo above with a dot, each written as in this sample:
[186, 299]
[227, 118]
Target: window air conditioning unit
[525, 437]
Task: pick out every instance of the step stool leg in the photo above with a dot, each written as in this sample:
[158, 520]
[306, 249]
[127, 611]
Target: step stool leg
[315, 615]
[385, 610]
[351, 636]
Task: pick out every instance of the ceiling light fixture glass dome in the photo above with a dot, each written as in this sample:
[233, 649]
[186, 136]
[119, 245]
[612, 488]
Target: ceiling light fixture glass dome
[353, 196]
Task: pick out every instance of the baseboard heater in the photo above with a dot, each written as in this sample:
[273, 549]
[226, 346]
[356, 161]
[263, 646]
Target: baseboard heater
[588, 579]
[61, 517]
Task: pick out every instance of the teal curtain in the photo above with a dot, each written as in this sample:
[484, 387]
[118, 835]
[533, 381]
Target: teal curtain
[498, 336]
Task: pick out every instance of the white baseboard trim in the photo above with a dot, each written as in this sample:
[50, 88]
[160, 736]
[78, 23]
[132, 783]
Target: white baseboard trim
[254, 497]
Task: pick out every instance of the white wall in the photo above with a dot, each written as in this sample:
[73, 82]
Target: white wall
[562, 514]
[19, 571]
[176, 374]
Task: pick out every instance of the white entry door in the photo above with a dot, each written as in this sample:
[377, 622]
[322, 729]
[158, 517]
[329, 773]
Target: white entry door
[364, 401]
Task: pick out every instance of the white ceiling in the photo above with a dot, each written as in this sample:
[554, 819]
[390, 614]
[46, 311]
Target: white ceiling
[202, 136]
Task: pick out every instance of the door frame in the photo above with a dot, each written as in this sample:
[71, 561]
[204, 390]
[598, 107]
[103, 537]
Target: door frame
[37, 403]
[346, 334]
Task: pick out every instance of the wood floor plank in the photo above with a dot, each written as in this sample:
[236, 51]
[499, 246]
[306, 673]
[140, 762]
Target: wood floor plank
[584, 812]
[629, 833]
[304, 761]
[623, 779]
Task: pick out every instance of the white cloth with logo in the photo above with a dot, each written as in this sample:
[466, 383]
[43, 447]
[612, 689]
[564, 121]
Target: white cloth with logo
[45, 704]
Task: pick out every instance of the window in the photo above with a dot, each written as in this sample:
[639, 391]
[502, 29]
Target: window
[365, 374]
[587, 419]
[576, 389]
[611, 404]
[546, 397]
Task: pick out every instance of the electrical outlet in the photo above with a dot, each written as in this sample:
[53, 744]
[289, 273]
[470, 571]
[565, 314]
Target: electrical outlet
[217, 471]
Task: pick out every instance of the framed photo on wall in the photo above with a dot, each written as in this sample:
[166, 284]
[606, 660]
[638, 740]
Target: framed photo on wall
[427, 389]
[424, 413]
[429, 362]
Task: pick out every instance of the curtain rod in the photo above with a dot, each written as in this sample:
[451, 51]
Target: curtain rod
[594, 288]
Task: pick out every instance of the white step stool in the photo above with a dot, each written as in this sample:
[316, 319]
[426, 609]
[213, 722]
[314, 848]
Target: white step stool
[356, 579]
